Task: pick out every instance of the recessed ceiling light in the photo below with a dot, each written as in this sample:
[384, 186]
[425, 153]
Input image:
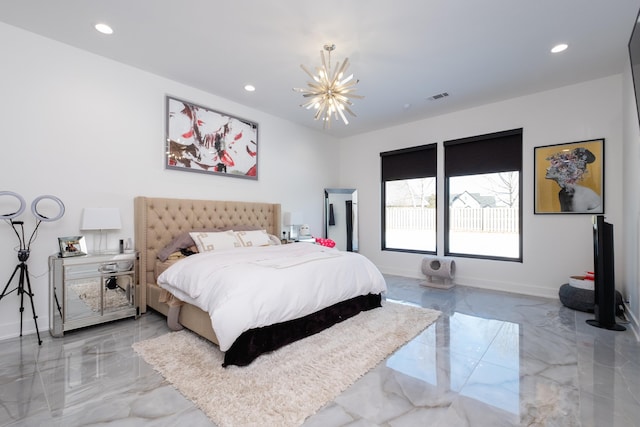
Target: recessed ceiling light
[104, 28]
[249, 88]
[559, 48]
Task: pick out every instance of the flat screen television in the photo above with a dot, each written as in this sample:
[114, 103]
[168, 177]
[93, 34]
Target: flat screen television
[634, 57]
[604, 276]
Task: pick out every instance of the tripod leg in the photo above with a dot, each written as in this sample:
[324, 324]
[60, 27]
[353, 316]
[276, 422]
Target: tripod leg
[55, 295]
[4, 291]
[33, 308]
[21, 293]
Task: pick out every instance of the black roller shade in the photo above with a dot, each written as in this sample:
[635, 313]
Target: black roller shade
[496, 152]
[409, 163]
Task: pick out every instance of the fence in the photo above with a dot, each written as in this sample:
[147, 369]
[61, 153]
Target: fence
[490, 220]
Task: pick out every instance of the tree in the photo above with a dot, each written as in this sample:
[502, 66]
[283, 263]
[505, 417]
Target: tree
[418, 192]
[504, 186]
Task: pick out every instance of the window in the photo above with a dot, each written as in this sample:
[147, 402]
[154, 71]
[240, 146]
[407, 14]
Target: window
[409, 199]
[483, 183]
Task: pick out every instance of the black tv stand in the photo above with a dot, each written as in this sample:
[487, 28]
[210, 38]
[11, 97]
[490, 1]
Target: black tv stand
[604, 306]
[611, 327]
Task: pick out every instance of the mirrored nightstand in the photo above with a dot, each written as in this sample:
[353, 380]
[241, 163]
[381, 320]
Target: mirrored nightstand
[91, 289]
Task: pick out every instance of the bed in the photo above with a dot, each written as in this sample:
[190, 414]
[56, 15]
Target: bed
[158, 222]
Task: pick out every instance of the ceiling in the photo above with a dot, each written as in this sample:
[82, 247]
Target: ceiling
[402, 52]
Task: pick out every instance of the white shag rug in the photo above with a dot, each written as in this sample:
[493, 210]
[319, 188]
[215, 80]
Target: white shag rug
[286, 386]
[89, 293]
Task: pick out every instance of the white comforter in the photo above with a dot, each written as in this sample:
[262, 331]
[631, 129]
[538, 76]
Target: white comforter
[247, 288]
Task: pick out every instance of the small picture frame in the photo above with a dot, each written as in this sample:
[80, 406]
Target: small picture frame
[72, 246]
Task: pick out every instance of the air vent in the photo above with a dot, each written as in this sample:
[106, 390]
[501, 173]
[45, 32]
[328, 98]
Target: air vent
[438, 96]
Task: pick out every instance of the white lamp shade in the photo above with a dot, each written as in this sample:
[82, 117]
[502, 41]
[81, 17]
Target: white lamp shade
[101, 219]
[293, 218]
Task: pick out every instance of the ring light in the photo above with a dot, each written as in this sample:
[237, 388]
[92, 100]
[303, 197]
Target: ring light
[20, 209]
[41, 217]
[25, 249]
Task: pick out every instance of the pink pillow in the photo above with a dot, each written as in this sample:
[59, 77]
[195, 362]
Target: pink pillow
[325, 242]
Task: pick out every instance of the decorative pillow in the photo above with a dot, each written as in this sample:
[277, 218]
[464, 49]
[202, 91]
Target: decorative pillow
[254, 238]
[181, 241]
[274, 240]
[325, 242]
[207, 242]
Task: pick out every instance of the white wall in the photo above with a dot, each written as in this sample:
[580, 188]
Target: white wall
[555, 246]
[631, 209]
[91, 132]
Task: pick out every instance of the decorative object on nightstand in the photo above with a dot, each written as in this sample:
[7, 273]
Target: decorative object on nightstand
[101, 220]
[91, 289]
[293, 220]
[72, 246]
[304, 234]
[24, 249]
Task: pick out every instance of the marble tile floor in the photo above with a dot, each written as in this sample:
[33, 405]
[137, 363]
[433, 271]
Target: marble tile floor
[492, 359]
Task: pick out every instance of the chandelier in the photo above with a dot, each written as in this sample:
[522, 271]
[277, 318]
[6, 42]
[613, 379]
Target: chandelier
[329, 93]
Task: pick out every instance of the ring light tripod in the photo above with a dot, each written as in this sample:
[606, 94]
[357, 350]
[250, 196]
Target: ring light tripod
[24, 251]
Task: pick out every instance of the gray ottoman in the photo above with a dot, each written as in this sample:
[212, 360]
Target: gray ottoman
[583, 299]
[576, 298]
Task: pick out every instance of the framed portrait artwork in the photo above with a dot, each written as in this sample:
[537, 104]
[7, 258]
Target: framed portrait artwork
[199, 139]
[72, 246]
[569, 178]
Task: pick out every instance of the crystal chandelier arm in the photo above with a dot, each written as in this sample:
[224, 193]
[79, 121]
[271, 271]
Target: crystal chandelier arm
[342, 99]
[308, 72]
[350, 84]
[335, 75]
[349, 80]
[352, 95]
[317, 87]
[344, 119]
[324, 63]
[348, 110]
[320, 111]
[308, 104]
[343, 69]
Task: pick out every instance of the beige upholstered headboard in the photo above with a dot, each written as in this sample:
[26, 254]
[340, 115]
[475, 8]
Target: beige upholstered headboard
[159, 220]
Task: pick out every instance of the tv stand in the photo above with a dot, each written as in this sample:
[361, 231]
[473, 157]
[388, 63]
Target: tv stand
[612, 327]
[604, 306]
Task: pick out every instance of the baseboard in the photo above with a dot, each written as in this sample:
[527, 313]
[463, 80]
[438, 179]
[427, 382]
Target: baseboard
[493, 285]
[516, 288]
[12, 330]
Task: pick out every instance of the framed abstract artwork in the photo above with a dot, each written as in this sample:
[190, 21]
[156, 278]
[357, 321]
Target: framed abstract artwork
[199, 139]
[569, 178]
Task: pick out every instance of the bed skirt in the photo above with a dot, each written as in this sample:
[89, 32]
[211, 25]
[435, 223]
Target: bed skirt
[255, 342]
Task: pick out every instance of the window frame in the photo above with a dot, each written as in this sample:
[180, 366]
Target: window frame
[407, 171]
[481, 166]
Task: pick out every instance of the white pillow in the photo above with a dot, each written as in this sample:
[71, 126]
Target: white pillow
[212, 241]
[254, 238]
[274, 240]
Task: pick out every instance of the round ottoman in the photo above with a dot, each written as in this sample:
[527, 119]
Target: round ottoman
[577, 298]
[584, 299]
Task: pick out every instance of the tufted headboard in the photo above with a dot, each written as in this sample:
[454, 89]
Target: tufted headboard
[159, 220]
